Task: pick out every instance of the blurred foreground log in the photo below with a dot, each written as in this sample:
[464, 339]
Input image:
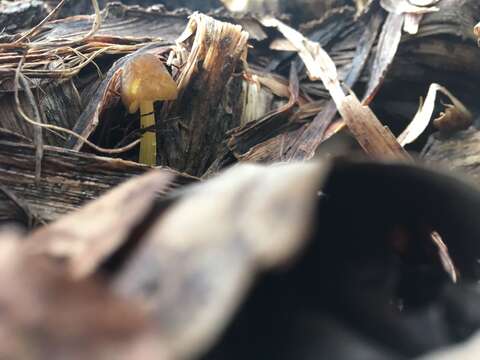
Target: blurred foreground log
[178, 269]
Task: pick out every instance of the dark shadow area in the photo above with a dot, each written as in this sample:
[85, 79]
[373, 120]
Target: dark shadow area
[370, 284]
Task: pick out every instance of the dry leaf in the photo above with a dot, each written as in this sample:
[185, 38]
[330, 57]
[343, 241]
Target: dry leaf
[206, 31]
[456, 116]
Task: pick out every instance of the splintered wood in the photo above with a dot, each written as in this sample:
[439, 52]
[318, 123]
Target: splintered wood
[375, 139]
[208, 53]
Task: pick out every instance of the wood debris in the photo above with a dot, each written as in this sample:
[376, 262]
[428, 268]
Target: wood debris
[341, 226]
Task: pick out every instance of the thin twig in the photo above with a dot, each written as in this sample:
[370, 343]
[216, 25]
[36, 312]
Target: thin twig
[97, 21]
[37, 131]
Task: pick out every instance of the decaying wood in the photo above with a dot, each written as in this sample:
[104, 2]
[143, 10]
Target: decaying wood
[69, 179]
[51, 67]
[143, 267]
[386, 50]
[375, 139]
[429, 48]
[314, 133]
[458, 153]
[214, 50]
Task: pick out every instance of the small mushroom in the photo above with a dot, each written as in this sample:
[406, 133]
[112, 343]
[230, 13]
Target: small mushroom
[144, 81]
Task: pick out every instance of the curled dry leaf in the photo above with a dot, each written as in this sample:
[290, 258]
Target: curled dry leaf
[413, 11]
[200, 258]
[276, 84]
[282, 45]
[455, 117]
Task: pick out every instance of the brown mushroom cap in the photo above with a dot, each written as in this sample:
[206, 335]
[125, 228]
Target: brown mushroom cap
[145, 78]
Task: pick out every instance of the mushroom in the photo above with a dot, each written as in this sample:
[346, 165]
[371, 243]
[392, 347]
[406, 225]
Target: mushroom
[145, 80]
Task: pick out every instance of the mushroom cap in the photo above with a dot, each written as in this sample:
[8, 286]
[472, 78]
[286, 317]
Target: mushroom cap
[146, 79]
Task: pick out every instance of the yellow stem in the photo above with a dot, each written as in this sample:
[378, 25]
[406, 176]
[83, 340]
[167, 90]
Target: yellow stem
[148, 145]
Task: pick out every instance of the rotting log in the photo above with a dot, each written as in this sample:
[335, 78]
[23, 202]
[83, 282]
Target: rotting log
[215, 49]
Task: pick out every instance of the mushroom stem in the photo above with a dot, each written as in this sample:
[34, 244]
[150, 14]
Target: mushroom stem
[148, 144]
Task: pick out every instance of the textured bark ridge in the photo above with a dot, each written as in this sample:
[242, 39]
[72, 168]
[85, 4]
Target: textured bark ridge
[191, 133]
[69, 180]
